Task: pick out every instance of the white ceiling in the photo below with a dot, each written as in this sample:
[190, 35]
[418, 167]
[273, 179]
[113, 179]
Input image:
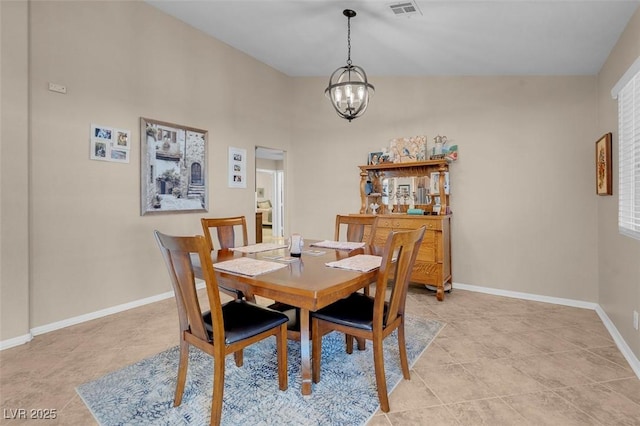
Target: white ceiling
[453, 37]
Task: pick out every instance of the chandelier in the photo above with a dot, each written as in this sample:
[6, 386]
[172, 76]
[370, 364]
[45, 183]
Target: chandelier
[348, 88]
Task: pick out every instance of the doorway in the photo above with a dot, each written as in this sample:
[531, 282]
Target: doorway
[269, 190]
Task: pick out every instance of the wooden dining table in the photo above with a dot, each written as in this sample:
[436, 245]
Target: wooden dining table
[306, 283]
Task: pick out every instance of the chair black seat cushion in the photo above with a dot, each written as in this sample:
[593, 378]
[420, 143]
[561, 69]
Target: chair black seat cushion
[355, 310]
[291, 312]
[243, 319]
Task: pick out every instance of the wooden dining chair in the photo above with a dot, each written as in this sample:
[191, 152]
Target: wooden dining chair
[357, 227]
[225, 328]
[225, 229]
[374, 318]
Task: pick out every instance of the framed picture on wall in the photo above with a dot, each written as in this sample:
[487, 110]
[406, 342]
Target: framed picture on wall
[99, 149]
[108, 144]
[122, 139]
[603, 166]
[101, 132]
[237, 167]
[119, 155]
[173, 168]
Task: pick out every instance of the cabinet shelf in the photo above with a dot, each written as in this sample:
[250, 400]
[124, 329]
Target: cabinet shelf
[418, 165]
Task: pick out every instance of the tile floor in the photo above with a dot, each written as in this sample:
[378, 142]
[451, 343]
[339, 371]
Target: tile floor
[267, 234]
[498, 361]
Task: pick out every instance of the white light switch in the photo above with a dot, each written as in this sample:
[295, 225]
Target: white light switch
[57, 88]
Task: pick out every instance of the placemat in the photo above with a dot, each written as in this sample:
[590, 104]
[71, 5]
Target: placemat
[360, 262]
[257, 248]
[338, 245]
[248, 266]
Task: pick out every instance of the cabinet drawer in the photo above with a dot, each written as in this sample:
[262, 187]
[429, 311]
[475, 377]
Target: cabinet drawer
[386, 222]
[406, 222]
[435, 225]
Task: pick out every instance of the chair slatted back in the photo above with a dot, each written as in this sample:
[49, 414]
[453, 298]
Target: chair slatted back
[225, 230]
[356, 226]
[399, 256]
[176, 252]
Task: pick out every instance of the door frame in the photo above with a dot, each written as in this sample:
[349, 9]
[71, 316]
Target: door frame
[278, 190]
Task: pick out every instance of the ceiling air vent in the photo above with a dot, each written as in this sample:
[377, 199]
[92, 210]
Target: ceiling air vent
[405, 8]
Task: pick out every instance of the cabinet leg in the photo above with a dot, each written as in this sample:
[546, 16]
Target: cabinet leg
[440, 293]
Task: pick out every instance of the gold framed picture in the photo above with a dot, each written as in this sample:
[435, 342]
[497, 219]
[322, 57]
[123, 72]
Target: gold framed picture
[603, 165]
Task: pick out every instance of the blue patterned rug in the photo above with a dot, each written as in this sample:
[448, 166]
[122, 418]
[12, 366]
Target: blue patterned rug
[142, 393]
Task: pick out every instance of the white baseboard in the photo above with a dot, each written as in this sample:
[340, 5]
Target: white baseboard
[9, 343]
[527, 296]
[615, 334]
[16, 341]
[99, 314]
[620, 342]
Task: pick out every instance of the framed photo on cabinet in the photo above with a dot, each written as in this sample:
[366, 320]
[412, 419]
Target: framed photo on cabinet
[603, 165]
[374, 158]
[434, 184]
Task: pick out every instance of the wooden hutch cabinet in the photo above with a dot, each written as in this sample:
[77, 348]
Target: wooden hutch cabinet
[433, 264]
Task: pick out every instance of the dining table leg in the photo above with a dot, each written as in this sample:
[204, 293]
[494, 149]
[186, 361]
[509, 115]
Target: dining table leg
[305, 353]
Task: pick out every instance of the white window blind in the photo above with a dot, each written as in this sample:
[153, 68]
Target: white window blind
[629, 156]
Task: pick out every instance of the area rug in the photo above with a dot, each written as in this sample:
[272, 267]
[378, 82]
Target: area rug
[142, 393]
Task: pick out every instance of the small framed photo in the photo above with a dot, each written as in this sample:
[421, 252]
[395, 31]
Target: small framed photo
[375, 158]
[119, 155]
[434, 184]
[99, 149]
[122, 139]
[404, 189]
[101, 132]
[603, 165]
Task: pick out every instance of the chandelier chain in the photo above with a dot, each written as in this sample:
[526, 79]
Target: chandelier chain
[348, 40]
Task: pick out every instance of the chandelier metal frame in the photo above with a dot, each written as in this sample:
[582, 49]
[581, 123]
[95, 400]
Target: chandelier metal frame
[349, 89]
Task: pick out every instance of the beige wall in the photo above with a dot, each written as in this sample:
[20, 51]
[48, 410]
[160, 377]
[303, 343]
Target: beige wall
[14, 171]
[522, 191]
[120, 61]
[619, 273]
[525, 213]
